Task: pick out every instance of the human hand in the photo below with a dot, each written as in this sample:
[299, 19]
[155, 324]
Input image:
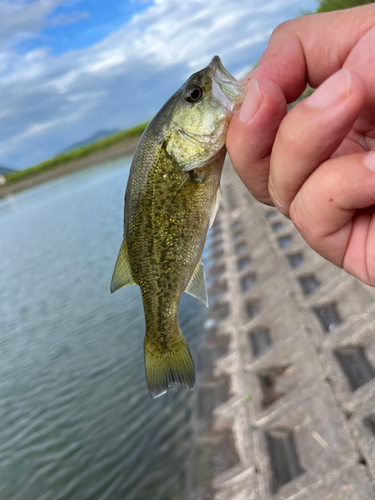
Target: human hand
[316, 164]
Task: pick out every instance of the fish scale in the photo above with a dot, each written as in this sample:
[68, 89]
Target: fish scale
[170, 199]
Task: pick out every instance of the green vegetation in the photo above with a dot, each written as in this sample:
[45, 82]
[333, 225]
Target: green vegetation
[117, 139]
[329, 5]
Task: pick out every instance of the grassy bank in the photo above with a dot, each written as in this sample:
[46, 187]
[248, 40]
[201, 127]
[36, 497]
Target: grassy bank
[77, 154]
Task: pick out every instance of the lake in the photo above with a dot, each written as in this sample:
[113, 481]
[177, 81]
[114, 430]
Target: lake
[76, 420]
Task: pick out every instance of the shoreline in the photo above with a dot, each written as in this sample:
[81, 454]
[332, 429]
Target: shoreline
[68, 168]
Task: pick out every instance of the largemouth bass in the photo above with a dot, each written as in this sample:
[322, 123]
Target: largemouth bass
[171, 200]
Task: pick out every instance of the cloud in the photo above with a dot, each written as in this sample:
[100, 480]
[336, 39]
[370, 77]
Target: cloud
[20, 20]
[50, 101]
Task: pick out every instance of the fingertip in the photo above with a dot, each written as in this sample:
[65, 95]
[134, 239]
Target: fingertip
[357, 86]
[251, 104]
[340, 86]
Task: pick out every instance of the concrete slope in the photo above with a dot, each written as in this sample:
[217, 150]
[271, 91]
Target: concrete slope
[285, 401]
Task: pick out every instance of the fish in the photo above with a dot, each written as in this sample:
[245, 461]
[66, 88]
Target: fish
[171, 200]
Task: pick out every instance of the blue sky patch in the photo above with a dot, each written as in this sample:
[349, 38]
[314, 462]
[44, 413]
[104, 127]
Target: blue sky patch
[71, 68]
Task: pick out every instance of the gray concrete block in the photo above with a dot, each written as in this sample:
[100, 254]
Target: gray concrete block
[348, 359]
[286, 239]
[333, 311]
[218, 343]
[281, 321]
[362, 424]
[262, 298]
[214, 455]
[312, 442]
[244, 486]
[262, 269]
[313, 280]
[212, 393]
[234, 414]
[282, 376]
[351, 483]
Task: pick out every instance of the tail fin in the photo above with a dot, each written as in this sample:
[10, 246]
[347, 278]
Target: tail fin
[168, 367]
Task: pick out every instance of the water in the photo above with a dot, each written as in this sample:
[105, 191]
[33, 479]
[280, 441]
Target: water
[76, 420]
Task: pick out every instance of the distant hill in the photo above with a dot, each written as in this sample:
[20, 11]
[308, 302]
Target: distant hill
[96, 137]
[6, 171]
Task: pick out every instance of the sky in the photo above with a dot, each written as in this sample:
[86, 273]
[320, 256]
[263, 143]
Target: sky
[69, 68]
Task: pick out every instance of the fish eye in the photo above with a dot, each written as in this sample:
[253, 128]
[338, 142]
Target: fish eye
[193, 93]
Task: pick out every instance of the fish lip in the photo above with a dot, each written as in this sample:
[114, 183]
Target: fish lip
[229, 86]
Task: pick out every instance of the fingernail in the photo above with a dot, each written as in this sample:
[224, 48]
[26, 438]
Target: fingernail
[331, 91]
[369, 161]
[251, 103]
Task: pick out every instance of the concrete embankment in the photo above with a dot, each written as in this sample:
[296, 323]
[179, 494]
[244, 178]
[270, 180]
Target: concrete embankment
[285, 401]
[58, 171]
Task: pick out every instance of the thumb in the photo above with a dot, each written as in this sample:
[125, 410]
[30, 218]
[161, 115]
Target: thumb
[251, 135]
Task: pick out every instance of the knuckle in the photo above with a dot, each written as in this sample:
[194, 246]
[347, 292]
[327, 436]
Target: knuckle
[295, 217]
[284, 27]
[291, 28]
[281, 205]
[259, 190]
[299, 216]
[264, 198]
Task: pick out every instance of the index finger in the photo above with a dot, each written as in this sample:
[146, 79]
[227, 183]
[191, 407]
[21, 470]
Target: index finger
[311, 48]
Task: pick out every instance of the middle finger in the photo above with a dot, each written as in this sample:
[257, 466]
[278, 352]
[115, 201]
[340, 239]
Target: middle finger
[311, 133]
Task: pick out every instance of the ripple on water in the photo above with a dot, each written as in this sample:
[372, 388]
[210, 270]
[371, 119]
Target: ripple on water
[76, 420]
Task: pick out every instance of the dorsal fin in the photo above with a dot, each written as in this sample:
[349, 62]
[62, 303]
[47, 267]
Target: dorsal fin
[215, 207]
[197, 285]
[122, 274]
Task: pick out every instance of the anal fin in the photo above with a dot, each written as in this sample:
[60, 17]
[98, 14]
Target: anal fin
[197, 285]
[122, 274]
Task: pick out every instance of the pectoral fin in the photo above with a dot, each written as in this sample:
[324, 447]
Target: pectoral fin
[122, 274]
[215, 207]
[197, 285]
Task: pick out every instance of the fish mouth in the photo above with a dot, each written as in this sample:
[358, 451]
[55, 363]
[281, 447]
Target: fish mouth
[226, 88]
